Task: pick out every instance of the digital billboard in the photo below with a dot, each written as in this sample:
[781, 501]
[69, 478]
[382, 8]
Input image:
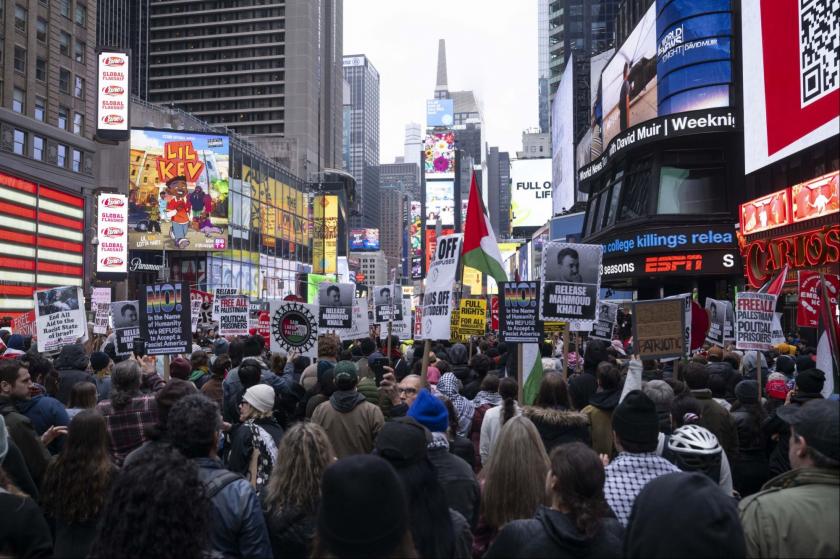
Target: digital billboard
[325, 235]
[440, 203]
[801, 202]
[439, 112]
[439, 153]
[415, 237]
[178, 190]
[530, 188]
[364, 239]
[113, 90]
[791, 80]
[563, 143]
[431, 242]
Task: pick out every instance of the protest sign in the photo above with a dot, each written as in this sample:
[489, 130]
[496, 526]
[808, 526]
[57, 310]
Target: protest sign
[100, 303]
[60, 317]
[494, 313]
[360, 325]
[686, 299]
[777, 336]
[518, 320]
[472, 317]
[294, 327]
[658, 328]
[808, 309]
[729, 324]
[440, 279]
[25, 325]
[221, 292]
[126, 321]
[165, 318]
[754, 320]
[233, 315]
[418, 323]
[335, 305]
[554, 327]
[201, 310]
[602, 328]
[717, 318]
[387, 304]
[570, 282]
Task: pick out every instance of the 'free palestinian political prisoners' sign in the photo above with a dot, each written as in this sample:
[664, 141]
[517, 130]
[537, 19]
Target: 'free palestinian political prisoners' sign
[658, 328]
[233, 315]
[754, 313]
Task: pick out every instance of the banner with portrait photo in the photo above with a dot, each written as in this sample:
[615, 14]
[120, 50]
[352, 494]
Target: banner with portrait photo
[360, 325]
[335, 305]
[100, 304]
[201, 310]
[571, 281]
[602, 328]
[165, 318]
[387, 304]
[294, 327]
[754, 316]
[716, 310]
[234, 314]
[60, 317]
[440, 280]
[125, 317]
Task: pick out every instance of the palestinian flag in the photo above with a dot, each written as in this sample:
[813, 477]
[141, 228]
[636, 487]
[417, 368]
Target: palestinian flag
[532, 372]
[774, 285]
[481, 251]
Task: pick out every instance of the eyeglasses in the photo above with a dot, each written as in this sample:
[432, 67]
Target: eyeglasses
[407, 390]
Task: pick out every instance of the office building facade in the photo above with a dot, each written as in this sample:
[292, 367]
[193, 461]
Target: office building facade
[124, 24]
[391, 231]
[363, 138]
[405, 176]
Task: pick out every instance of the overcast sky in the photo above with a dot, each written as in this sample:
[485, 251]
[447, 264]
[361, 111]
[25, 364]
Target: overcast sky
[491, 48]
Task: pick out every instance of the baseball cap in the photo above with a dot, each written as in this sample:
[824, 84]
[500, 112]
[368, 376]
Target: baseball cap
[346, 375]
[818, 422]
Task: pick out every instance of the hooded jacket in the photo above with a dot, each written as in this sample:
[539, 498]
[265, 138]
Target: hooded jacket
[44, 412]
[600, 410]
[725, 370]
[558, 427]
[351, 422]
[553, 534]
[71, 365]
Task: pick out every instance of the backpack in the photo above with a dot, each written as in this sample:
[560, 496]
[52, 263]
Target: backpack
[263, 456]
[219, 482]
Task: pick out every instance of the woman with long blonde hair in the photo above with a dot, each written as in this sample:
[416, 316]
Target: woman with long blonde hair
[294, 489]
[513, 480]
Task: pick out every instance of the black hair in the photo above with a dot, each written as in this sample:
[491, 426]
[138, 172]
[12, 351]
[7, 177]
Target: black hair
[250, 373]
[42, 370]
[717, 384]
[236, 348]
[682, 405]
[508, 390]
[333, 288]
[220, 366]
[167, 518]
[696, 376]
[300, 363]
[193, 423]
[253, 346]
[367, 346]
[567, 252]
[127, 307]
[480, 364]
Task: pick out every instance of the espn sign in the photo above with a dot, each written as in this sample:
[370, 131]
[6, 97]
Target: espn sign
[112, 102]
[675, 263]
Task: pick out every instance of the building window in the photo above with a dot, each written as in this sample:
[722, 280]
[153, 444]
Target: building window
[40, 109]
[79, 88]
[40, 69]
[64, 80]
[19, 142]
[81, 14]
[41, 30]
[21, 16]
[18, 101]
[20, 59]
[64, 43]
[78, 123]
[38, 148]
[62, 156]
[64, 8]
[77, 161]
[685, 190]
[63, 117]
[80, 51]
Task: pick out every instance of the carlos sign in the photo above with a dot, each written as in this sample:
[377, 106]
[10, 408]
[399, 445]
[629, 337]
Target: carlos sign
[808, 249]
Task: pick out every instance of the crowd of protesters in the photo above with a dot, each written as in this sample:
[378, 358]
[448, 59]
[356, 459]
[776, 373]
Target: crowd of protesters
[234, 451]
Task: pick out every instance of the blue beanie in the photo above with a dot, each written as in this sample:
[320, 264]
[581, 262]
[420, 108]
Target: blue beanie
[429, 412]
[15, 341]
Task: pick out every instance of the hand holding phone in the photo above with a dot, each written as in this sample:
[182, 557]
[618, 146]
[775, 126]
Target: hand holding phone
[139, 348]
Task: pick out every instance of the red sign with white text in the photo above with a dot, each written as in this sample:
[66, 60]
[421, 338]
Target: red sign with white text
[494, 313]
[808, 309]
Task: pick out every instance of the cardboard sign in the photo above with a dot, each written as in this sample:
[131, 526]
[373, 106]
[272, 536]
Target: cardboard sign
[808, 309]
[126, 319]
[438, 301]
[233, 315]
[165, 318]
[101, 305]
[335, 305]
[294, 327]
[571, 279]
[518, 313]
[472, 317]
[602, 328]
[658, 328]
[754, 313]
[60, 317]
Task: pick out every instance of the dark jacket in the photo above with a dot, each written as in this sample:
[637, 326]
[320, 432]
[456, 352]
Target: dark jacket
[291, 533]
[44, 412]
[553, 534]
[750, 469]
[750, 437]
[233, 390]
[237, 525]
[23, 532]
[458, 481]
[15, 467]
[20, 430]
[242, 443]
[774, 425]
[71, 364]
[725, 370]
[558, 427]
[717, 420]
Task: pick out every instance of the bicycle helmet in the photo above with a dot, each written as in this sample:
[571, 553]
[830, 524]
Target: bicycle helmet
[695, 449]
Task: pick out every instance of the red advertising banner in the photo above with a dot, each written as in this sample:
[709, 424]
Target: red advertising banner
[494, 313]
[808, 309]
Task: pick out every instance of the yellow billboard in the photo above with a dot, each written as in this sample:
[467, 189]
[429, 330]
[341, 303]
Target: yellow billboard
[325, 238]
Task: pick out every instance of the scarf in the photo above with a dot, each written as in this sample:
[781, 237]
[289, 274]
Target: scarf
[485, 397]
[448, 386]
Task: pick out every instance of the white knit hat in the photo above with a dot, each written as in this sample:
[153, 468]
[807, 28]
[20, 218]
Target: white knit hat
[261, 397]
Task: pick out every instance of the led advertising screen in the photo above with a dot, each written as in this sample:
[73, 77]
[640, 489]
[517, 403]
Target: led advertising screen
[439, 154]
[112, 114]
[415, 238]
[791, 79]
[530, 186]
[440, 203]
[563, 143]
[431, 242]
[439, 112]
[178, 190]
[364, 239]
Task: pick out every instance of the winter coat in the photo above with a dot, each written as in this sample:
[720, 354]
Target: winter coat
[233, 390]
[725, 370]
[796, 515]
[779, 461]
[242, 443]
[291, 533]
[558, 427]
[599, 411]
[717, 420]
[553, 534]
[458, 481]
[491, 428]
[15, 467]
[71, 364]
[21, 431]
[44, 412]
[67, 379]
[237, 526]
[351, 422]
[463, 536]
[24, 531]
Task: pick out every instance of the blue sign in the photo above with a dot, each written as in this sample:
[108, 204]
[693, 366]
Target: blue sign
[439, 112]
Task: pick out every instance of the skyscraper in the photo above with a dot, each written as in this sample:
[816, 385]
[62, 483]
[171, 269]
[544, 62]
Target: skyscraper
[269, 71]
[544, 94]
[413, 144]
[498, 183]
[404, 175]
[124, 24]
[363, 137]
[390, 233]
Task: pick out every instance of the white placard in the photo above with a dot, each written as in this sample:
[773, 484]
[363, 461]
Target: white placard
[60, 317]
[437, 300]
[101, 303]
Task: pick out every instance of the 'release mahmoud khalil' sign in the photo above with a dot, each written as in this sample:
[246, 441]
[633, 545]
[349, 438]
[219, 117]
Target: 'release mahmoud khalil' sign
[294, 327]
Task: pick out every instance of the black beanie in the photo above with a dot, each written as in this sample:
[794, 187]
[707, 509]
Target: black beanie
[810, 381]
[635, 420]
[402, 442]
[659, 521]
[363, 508]
[786, 365]
[747, 391]
[804, 363]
